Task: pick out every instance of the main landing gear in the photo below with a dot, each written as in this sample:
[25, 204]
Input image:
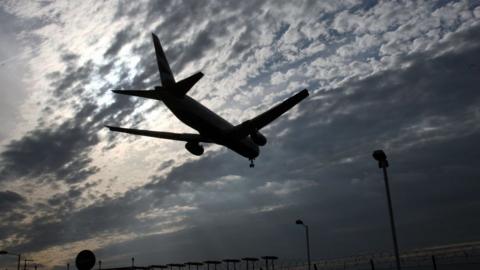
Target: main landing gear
[251, 163]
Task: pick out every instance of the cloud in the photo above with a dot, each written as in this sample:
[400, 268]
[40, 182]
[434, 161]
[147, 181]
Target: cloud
[60, 152]
[10, 199]
[121, 38]
[13, 91]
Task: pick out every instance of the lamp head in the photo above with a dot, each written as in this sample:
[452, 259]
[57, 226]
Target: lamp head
[381, 157]
[299, 222]
[2, 252]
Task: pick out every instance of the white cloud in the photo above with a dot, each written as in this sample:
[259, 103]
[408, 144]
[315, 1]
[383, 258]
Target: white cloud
[284, 188]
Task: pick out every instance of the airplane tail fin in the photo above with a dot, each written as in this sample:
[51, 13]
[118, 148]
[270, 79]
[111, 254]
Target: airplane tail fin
[166, 75]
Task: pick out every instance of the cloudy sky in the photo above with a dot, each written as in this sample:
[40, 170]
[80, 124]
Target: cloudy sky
[401, 76]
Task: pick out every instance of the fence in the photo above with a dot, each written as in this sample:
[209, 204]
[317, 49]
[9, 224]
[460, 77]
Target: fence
[452, 257]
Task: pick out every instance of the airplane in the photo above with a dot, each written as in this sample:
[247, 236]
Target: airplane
[244, 139]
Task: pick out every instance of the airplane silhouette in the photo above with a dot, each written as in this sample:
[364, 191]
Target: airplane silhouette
[243, 139]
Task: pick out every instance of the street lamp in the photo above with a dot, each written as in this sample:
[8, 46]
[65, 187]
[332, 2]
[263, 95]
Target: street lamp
[381, 157]
[300, 222]
[4, 252]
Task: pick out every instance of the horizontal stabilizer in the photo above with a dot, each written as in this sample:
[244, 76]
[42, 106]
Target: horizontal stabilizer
[139, 93]
[182, 87]
[187, 137]
[260, 121]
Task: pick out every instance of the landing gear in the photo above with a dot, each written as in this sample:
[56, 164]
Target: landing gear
[251, 163]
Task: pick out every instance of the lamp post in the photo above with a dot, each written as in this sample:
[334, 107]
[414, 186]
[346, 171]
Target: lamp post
[4, 252]
[300, 222]
[381, 157]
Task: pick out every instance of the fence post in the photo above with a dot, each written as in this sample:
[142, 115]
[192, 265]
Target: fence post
[434, 262]
[372, 265]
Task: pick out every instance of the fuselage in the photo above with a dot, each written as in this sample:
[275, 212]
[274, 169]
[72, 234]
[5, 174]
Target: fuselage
[209, 124]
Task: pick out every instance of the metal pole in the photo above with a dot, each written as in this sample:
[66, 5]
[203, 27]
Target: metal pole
[372, 265]
[390, 210]
[434, 263]
[18, 262]
[308, 248]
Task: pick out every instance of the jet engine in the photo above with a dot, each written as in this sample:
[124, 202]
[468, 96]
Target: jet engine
[258, 138]
[194, 148]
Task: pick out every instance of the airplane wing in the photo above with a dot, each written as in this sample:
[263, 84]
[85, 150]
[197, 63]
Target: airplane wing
[260, 121]
[139, 93]
[187, 137]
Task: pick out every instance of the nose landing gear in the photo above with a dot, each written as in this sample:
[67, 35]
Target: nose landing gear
[251, 163]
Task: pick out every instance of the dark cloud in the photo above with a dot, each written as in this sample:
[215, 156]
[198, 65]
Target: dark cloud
[106, 68]
[121, 38]
[112, 216]
[10, 199]
[68, 197]
[72, 81]
[194, 51]
[13, 206]
[68, 57]
[60, 152]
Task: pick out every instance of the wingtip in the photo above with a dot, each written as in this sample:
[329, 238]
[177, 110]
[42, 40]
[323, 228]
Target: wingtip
[112, 128]
[304, 92]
